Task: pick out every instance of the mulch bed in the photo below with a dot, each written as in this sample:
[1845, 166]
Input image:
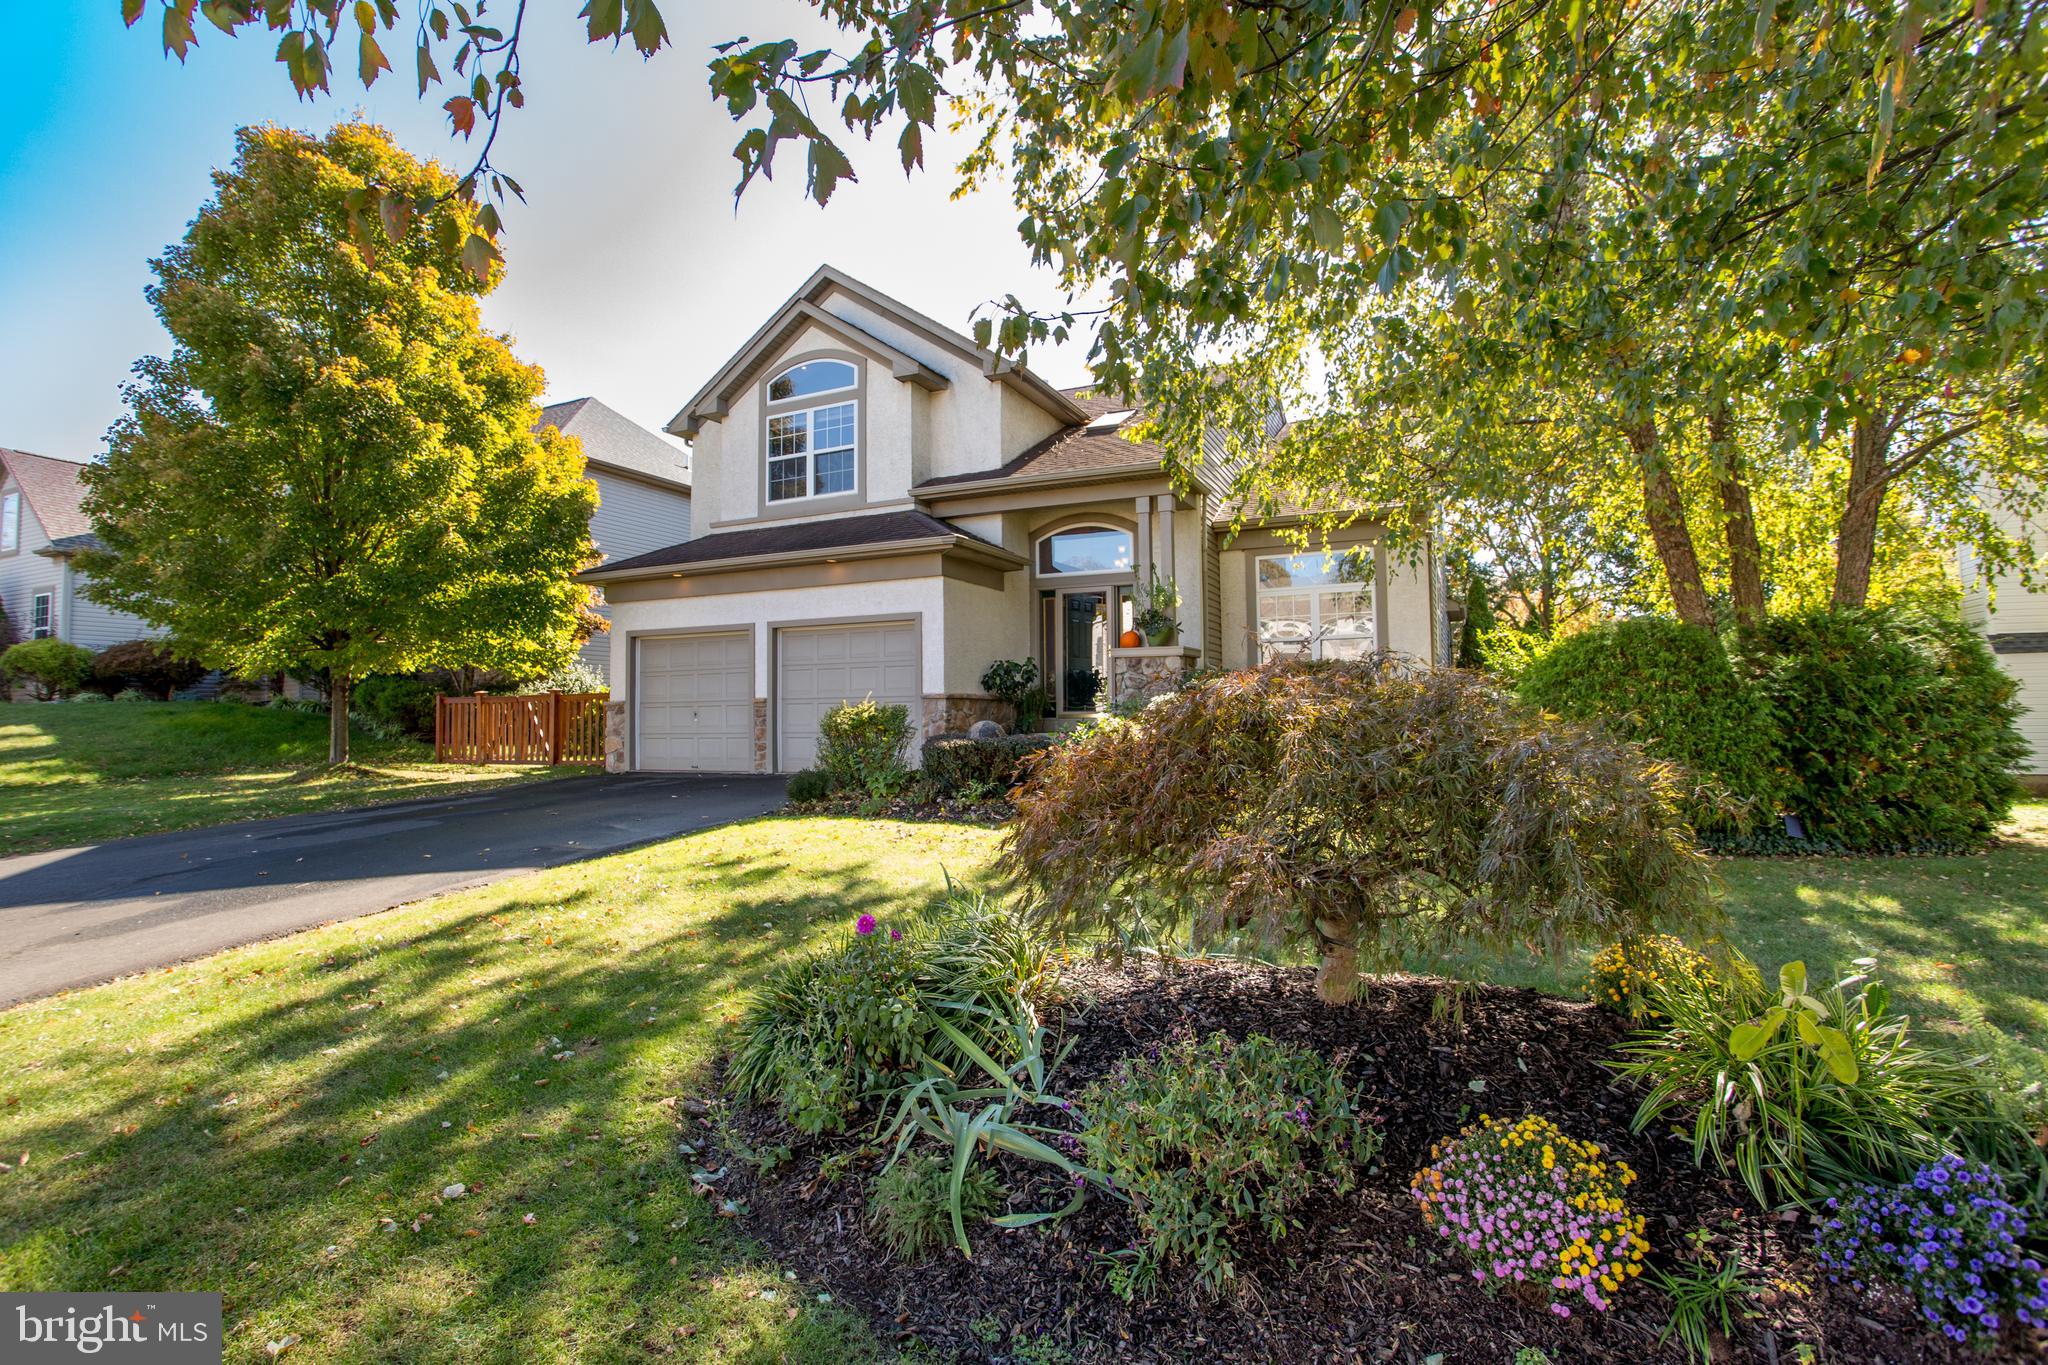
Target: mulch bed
[1362, 1281]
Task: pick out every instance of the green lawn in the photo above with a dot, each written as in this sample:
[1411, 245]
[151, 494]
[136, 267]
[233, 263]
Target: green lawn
[273, 1122]
[73, 774]
[278, 1122]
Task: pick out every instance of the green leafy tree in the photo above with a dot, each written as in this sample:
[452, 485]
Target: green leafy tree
[1652, 214]
[334, 467]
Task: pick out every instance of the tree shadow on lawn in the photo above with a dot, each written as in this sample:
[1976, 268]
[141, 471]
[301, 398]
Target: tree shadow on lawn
[293, 1156]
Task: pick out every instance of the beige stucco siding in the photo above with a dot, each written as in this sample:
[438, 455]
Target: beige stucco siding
[981, 625]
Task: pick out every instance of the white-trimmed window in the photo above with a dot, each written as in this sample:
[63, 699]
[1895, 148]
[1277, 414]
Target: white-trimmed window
[10, 521]
[1316, 605]
[42, 616]
[811, 452]
[812, 378]
[1084, 549]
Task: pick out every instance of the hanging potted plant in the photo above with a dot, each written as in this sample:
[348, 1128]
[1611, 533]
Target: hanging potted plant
[1159, 620]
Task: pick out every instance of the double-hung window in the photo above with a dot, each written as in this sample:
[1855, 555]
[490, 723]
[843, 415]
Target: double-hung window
[812, 451]
[1315, 606]
[42, 616]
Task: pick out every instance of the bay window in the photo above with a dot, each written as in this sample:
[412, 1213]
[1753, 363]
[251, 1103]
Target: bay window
[1315, 605]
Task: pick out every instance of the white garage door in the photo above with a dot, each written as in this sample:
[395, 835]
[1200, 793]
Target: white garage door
[696, 700]
[822, 666]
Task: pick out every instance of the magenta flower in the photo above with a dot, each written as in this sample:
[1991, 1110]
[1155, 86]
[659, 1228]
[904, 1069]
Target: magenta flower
[864, 925]
[895, 936]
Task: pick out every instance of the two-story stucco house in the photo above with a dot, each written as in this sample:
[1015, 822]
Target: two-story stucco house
[883, 508]
[2014, 621]
[643, 489]
[42, 529]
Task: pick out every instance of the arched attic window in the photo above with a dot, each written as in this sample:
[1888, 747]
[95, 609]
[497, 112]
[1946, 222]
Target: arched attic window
[813, 431]
[811, 378]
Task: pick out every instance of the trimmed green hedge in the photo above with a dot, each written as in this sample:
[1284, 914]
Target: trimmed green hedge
[954, 764]
[1896, 731]
[1671, 688]
[1880, 730]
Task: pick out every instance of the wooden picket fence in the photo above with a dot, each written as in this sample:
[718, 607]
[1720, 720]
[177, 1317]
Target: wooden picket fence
[544, 727]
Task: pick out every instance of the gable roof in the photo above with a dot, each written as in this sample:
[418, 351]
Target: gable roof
[1072, 454]
[613, 441]
[882, 532]
[711, 402]
[53, 490]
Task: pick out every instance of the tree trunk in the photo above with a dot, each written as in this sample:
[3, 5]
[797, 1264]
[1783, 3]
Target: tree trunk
[1664, 509]
[1856, 533]
[337, 718]
[1337, 973]
[1745, 558]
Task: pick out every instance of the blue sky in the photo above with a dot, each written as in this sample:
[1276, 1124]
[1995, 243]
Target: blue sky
[631, 276]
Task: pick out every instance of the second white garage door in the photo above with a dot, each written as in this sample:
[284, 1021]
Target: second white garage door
[696, 700]
[822, 666]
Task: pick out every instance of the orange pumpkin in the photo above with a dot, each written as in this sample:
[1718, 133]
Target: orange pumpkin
[1130, 639]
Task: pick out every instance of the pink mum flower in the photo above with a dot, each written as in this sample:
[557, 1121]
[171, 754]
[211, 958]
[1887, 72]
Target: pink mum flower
[864, 925]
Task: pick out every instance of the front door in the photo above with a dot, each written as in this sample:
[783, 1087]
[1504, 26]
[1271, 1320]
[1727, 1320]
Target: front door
[1088, 621]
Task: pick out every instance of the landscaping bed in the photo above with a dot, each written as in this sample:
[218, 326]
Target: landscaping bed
[1362, 1279]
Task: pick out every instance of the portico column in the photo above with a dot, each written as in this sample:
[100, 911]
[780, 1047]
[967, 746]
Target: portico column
[1141, 564]
[1163, 555]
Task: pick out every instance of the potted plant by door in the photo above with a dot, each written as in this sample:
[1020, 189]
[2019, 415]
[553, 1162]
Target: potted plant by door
[1159, 619]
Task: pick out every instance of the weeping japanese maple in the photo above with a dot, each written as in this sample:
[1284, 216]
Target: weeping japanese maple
[1374, 814]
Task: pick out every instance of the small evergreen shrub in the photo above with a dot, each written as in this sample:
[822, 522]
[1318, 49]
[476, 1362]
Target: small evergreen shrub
[90, 697]
[51, 668]
[1534, 1209]
[1953, 1239]
[910, 1207]
[130, 695]
[861, 744]
[573, 676]
[145, 665]
[1897, 731]
[1214, 1140]
[811, 784]
[1628, 977]
[1670, 688]
[955, 765]
[402, 704]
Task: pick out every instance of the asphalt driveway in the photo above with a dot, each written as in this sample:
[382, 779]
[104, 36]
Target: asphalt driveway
[78, 916]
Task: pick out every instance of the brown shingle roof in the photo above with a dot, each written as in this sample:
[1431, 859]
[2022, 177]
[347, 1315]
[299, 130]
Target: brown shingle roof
[797, 538]
[53, 490]
[1074, 451]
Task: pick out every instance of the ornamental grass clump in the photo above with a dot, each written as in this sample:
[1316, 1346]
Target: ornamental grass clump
[1534, 1210]
[1953, 1239]
[1212, 1139]
[1629, 976]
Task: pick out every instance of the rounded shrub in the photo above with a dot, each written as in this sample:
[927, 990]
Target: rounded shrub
[401, 704]
[811, 784]
[50, 668]
[1671, 688]
[1897, 730]
[145, 665]
[861, 744]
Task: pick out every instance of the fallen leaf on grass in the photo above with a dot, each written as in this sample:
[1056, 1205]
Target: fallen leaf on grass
[274, 1349]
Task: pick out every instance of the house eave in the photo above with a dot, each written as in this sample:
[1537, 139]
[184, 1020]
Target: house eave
[959, 546]
[1069, 478]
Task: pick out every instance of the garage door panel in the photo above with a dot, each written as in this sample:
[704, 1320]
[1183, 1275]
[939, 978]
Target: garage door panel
[696, 703]
[820, 667]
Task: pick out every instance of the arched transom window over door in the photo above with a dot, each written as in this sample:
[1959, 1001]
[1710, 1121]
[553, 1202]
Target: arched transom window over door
[1084, 550]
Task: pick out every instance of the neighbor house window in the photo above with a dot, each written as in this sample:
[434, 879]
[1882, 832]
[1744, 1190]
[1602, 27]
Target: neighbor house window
[10, 522]
[1085, 549]
[811, 450]
[1315, 606]
[42, 619]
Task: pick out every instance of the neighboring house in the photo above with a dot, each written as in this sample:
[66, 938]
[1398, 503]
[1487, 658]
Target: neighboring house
[42, 529]
[2014, 620]
[885, 508]
[643, 488]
